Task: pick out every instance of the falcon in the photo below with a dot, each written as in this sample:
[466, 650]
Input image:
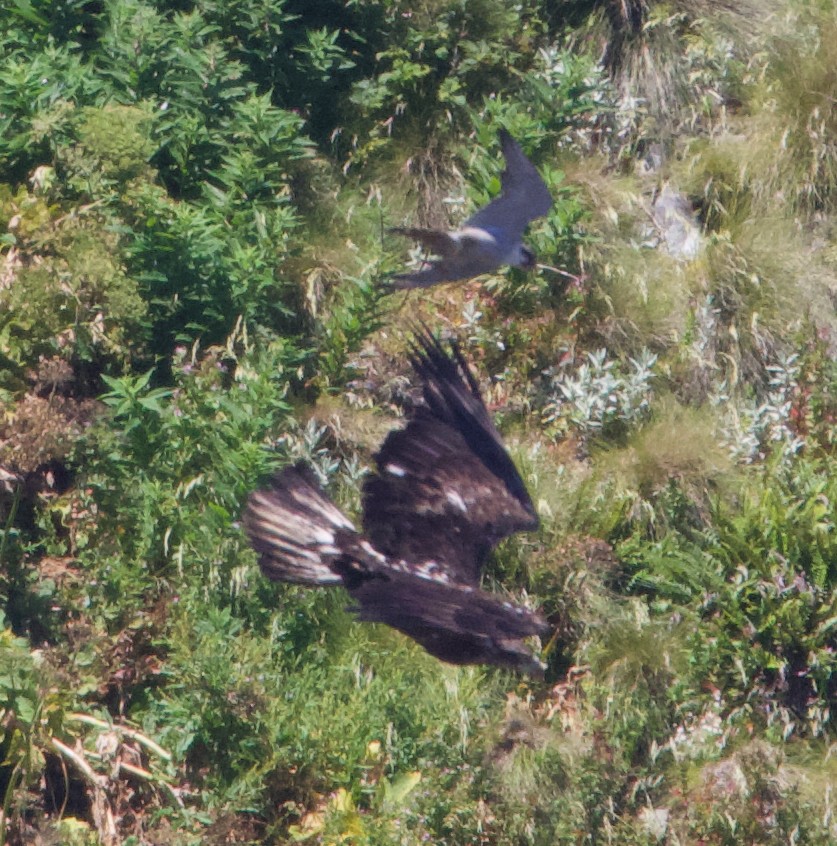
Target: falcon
[443, 494]
[491, 237]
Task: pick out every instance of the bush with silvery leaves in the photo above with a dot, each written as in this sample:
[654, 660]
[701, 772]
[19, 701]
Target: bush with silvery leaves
[754, 430]
[602, 397]
[308, 443]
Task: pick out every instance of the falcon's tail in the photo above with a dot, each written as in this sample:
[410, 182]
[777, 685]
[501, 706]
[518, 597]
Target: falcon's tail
[296, 529]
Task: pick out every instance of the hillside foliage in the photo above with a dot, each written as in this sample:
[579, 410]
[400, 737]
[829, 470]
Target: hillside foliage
[194, 202]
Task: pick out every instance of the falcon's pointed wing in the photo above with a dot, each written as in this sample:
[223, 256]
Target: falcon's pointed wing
[445, 490]
[438, 241]
[524, 195]
[444, 269]
[471, 251]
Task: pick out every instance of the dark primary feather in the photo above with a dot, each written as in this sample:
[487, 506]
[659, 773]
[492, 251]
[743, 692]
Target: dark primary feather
[455, 623]
[445, 488]
[453, 395]
[445, 492]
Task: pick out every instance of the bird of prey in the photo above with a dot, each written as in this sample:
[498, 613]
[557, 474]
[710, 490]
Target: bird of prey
[491, 237]
[445, 491]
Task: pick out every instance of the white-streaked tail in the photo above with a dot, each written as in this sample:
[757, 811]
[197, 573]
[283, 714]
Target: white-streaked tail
[296, 529]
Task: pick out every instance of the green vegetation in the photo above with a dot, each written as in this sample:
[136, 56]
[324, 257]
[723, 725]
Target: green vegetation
[193, 205]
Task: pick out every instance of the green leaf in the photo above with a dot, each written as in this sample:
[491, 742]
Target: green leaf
[23, 8]
[397, 790]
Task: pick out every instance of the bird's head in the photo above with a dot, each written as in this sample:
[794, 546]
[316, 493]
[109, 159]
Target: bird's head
[527, 258]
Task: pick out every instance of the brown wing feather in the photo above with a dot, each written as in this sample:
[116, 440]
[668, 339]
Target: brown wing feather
[453, 396]
[455, 623]
[295, 528]
[445, 488]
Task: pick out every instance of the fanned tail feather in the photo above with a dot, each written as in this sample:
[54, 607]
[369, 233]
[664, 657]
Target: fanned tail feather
[296, 529]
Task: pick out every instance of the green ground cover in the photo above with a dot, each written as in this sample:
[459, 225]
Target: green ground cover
[193, 205]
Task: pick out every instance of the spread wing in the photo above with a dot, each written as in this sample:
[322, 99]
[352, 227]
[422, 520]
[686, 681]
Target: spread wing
[437, 241]
[455, 623]
[303, 537]
[466, 253]
[445, 269]
[296, 529]
[524, 195]
[445, 491]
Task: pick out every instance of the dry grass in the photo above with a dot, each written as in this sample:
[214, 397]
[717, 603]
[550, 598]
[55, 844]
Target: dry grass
[679, 444]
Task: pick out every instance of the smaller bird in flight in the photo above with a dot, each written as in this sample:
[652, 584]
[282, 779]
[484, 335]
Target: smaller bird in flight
[492, 236]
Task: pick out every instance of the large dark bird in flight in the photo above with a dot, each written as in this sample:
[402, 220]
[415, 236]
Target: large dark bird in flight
[444, 493]
[490, 238]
